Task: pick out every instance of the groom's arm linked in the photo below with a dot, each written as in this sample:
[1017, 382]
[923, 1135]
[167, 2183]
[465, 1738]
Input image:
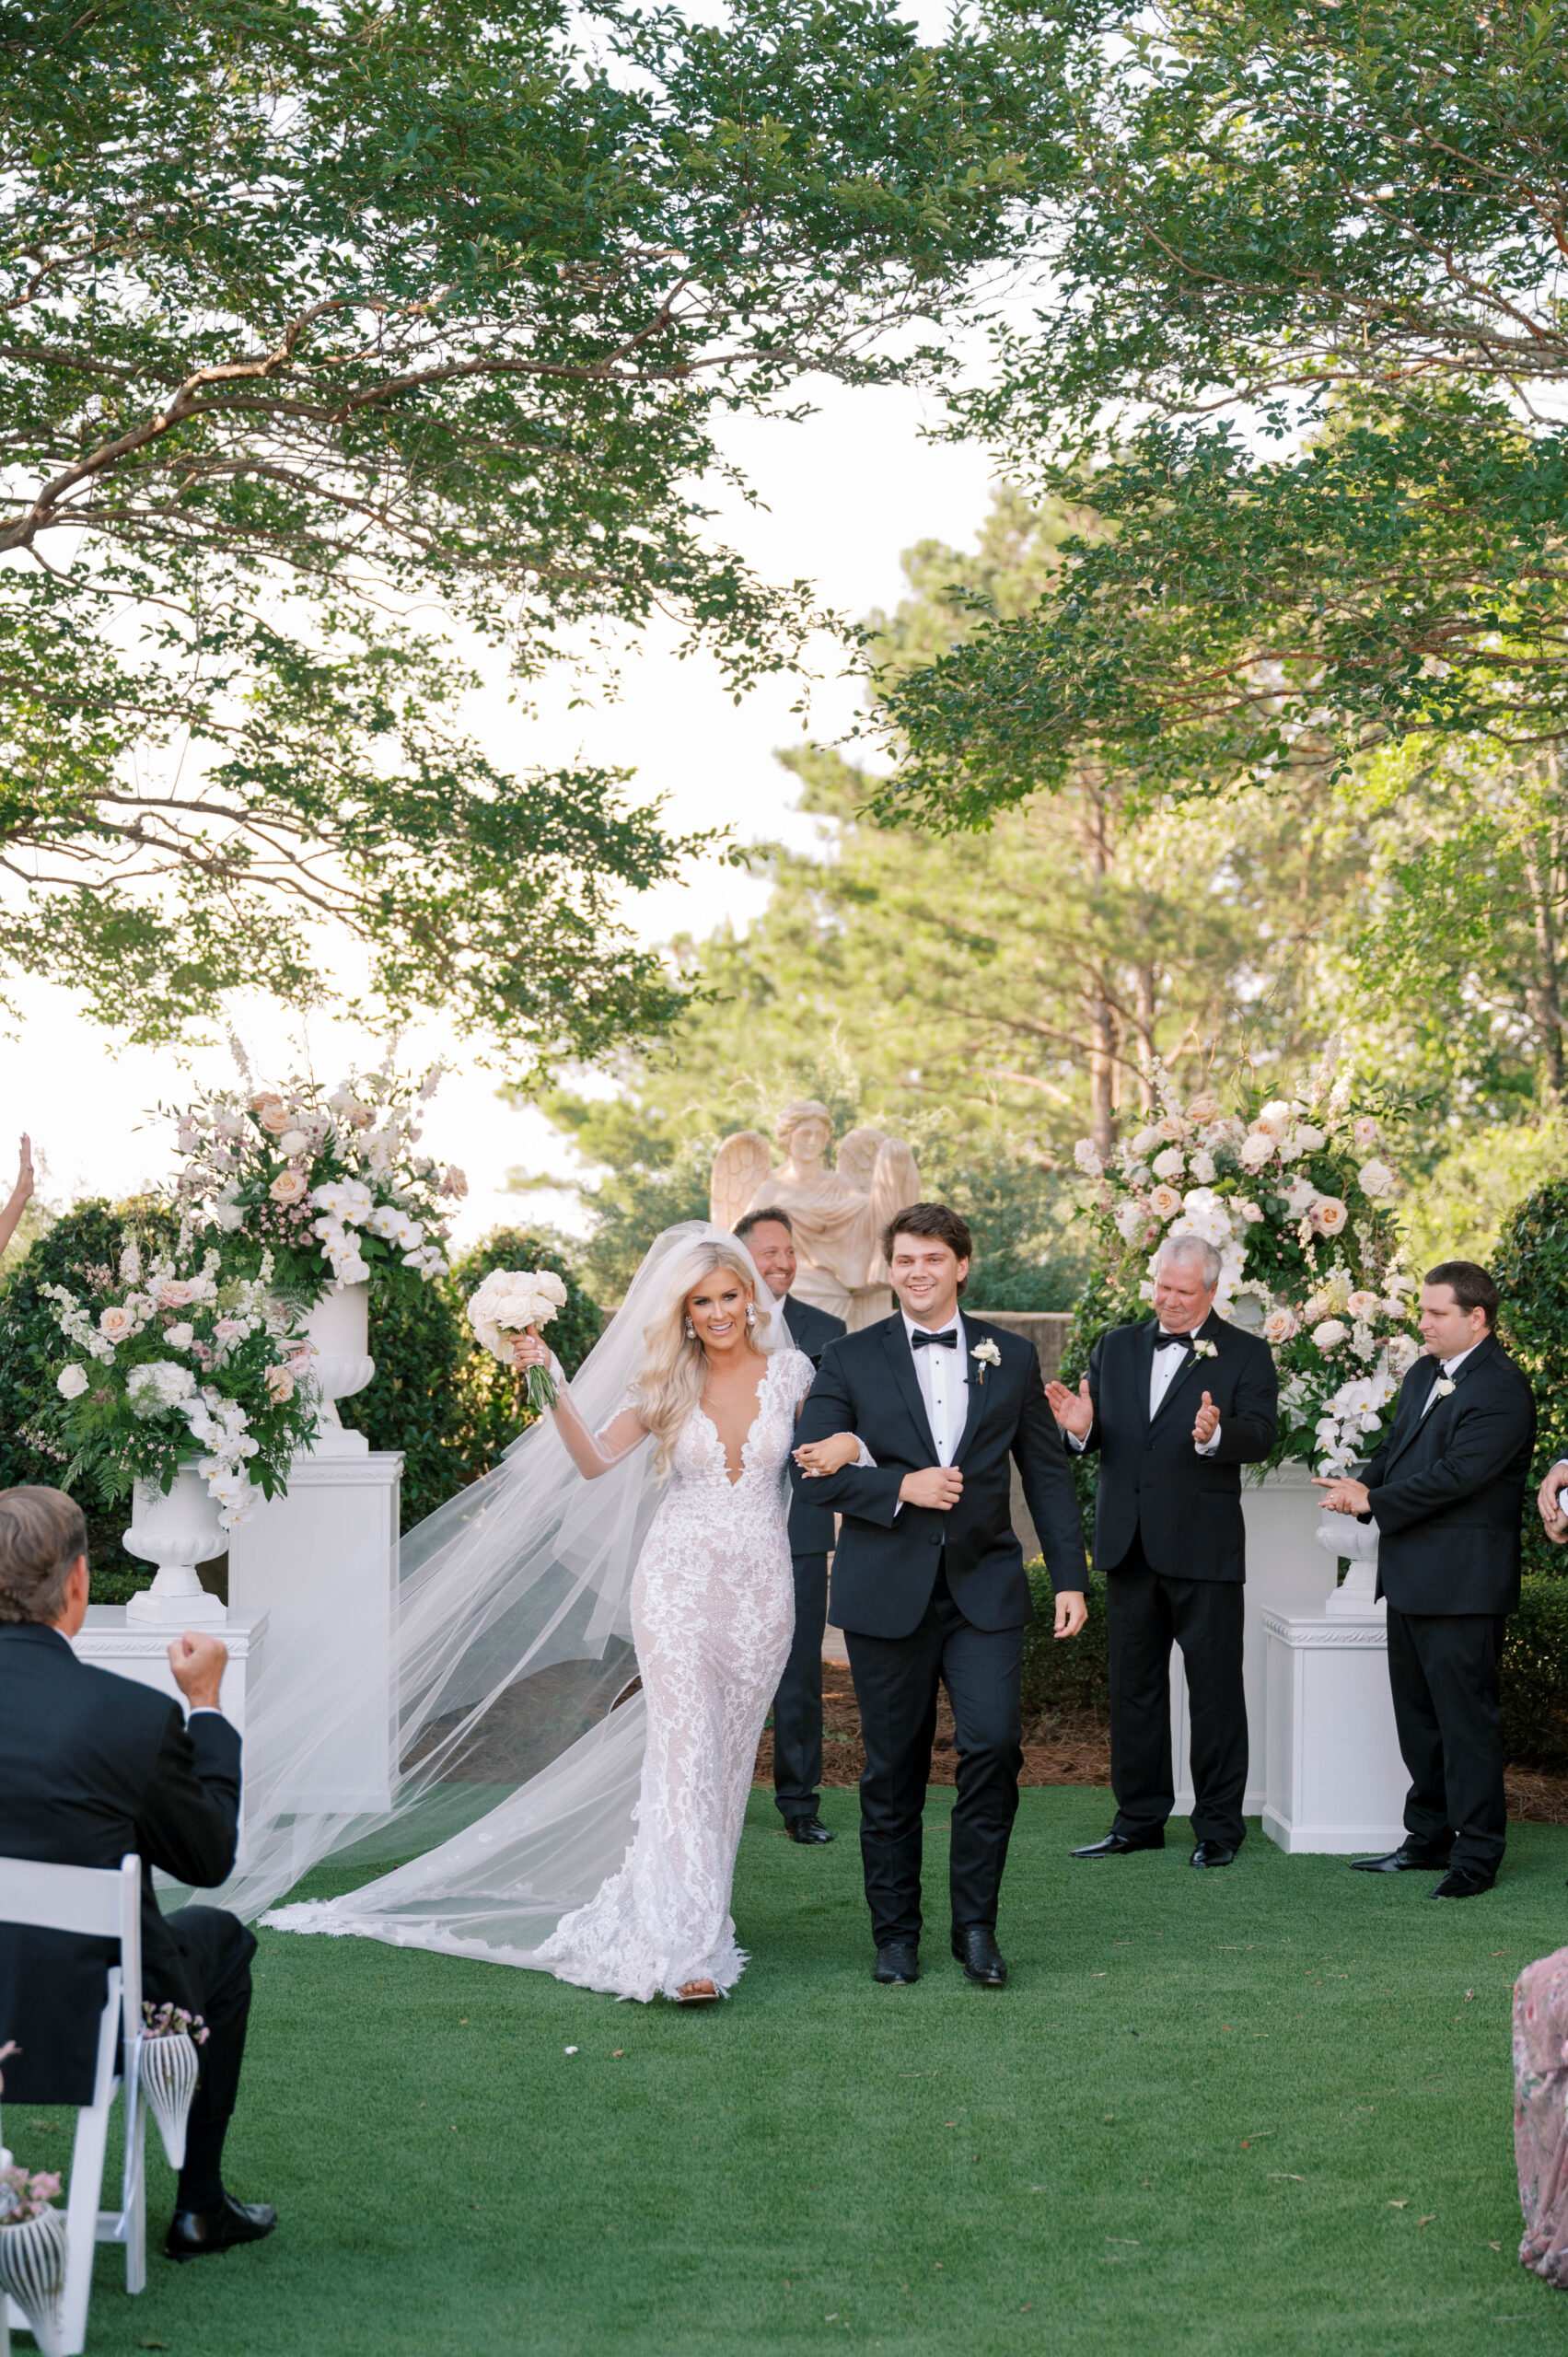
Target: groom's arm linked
[868, 1492]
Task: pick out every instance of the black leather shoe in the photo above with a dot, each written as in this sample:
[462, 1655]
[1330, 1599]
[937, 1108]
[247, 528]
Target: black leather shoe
[1407, 1859]
[1118, 1845]
[977, 1951]
[898, 1963]
[196, 2233]
[1457, 1884]
[1212, 1853]
[809, 1830]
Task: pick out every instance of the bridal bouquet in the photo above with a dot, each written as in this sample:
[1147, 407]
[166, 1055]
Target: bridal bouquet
[174, 1359]
[329, 1183]
[507, 1305]
[1294, 1195]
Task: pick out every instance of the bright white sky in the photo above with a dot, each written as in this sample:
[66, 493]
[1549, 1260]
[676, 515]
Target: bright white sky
[844, 494]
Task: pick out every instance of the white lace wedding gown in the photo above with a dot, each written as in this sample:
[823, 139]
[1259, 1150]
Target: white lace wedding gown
[713, 1614]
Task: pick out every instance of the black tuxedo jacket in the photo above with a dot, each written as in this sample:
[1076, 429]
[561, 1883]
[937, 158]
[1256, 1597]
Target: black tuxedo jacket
[1447, 1487]
[811, 1522]
[93, 1766]
[1153, 1484]
[886, 1563]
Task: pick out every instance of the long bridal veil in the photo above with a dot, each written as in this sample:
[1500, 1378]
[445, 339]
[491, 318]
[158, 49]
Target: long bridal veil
[513, 1776]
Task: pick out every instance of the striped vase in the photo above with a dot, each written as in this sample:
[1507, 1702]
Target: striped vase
[32, 2269]
[170, 2069]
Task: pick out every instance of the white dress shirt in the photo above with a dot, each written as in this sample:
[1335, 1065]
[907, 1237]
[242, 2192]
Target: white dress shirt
[1446, 1367]
[944, 1379]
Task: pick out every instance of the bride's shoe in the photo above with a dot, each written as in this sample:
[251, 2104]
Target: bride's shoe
[697, 1992]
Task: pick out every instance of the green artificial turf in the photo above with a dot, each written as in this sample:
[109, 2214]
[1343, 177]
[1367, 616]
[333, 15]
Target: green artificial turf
[1265, 2110]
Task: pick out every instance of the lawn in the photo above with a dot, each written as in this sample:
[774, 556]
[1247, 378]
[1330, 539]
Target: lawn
[1261, 2111]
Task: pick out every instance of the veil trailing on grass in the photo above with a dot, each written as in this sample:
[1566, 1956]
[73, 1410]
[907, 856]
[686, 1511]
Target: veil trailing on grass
[514, 1778]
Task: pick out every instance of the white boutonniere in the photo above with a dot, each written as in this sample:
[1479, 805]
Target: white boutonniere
[1441, 1388]
[1205, 1349]
[987, 1354]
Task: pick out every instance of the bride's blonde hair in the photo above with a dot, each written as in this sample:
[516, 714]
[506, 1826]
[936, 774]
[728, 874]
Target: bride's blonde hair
[672, 1376]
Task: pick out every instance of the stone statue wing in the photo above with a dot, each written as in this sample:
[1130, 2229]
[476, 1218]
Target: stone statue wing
[895, 1184]
[856, 1158]
[740, 1165]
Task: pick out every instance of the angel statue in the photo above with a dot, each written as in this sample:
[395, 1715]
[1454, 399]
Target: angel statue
[838, 1216]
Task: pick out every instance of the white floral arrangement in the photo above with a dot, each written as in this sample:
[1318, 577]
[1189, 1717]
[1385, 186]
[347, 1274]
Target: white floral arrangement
[329, 1183]
[172, 1359]
[508, 1303]
[1294, 1196]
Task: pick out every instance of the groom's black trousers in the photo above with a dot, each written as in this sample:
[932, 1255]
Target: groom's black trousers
[895, 1683]
[797, 1705]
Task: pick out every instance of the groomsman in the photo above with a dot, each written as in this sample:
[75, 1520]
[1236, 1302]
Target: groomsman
[1176, 1406]
[797, 1706]
[1444, 1491]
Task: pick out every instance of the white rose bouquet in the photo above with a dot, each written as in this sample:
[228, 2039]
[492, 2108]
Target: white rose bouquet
[508, 1303]
[1292, 1195]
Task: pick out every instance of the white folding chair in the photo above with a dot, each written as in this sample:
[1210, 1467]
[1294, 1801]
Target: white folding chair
[105, 1904]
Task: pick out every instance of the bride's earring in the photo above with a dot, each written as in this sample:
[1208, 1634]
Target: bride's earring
[751, 1313]
[690, 1331]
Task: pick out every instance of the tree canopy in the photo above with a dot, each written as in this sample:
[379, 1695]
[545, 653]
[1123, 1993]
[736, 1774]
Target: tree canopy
[334, 335]
[1302, 343]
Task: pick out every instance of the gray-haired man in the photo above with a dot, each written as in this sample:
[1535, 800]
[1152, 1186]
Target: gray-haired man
[1176, 1405]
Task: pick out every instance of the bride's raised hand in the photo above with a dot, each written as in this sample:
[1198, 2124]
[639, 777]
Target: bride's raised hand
[831, 1456]
[528, 1350]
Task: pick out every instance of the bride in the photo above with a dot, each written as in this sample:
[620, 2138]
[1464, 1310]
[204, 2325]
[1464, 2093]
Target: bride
[715, 1386]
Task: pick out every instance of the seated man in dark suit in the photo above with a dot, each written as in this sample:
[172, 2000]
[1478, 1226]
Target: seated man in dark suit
[769, 1236]
[92, 1766]
[1445, 1490]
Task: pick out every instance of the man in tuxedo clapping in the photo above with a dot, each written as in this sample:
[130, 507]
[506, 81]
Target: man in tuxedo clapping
[1176, 1405]
[92, 1768]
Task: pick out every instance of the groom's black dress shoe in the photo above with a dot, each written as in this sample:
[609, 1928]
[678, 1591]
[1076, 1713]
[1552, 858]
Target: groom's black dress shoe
[1457, 1884]
[1212, 1853]
[196, 2233]
[898, 1963]
[1118, 1845]
[977, 1951]
[1407, 1859]
[807, 1829]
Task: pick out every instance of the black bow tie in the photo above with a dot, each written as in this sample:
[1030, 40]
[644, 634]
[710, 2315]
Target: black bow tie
[1173, 1341]
[945, 1342]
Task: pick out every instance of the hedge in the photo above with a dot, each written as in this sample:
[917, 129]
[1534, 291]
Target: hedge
[1075, 1674]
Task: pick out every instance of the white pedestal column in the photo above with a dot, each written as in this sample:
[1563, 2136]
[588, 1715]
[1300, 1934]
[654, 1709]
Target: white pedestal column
[139, 1649]
[1287, 1572]
[1335, 1782]
[323, 1563]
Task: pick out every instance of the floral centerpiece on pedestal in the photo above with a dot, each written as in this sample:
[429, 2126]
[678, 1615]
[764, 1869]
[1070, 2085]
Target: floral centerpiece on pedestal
[1294, 1195]
[178, 1362]
[328, 1184]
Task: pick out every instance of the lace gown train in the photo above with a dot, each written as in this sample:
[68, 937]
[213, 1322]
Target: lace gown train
[713, 1614]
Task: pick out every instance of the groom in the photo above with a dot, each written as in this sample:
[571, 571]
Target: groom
[928, 1578]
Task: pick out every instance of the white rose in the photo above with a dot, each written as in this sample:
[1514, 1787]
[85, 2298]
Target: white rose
[180, 1337]
[1364, 1305]
[1280, 1325]
[1329, 1336]
[1172, 1128]
[1088, 1158]
[71, 1382]
[293, 1142]
[1256, 1148]
[1329, 1215]
[1251, 1212]
[1375, 1178]
[1309, 1139]
[1144, 1143]
[1201, 1109]
[1171, 1163]
[1165, 1202]
[1274, 1120]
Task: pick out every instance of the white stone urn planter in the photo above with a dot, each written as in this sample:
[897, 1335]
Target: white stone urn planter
[339, 1329]
[32, 2271]
[176, 1529]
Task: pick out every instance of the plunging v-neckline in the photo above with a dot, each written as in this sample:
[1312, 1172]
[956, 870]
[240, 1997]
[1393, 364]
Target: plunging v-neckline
[735, 1479]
